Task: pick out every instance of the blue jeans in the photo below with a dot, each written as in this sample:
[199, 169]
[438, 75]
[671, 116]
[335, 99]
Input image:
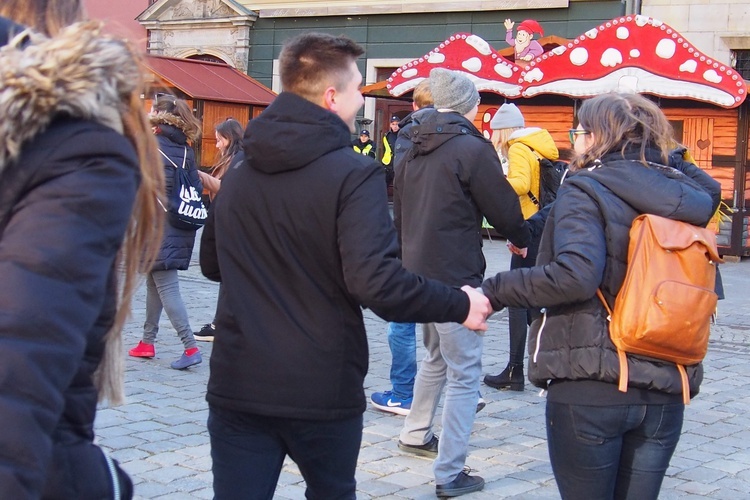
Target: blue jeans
[248, 452]
[453, 359]
[402, 339]
[604, 452]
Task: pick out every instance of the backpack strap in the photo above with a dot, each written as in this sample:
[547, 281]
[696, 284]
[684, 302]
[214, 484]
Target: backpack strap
[534, 199]
[604, 301]
[685, 385]
[184, 158]
[623, 358]
[622, 386]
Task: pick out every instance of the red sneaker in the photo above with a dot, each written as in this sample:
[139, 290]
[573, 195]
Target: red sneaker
[142, 350]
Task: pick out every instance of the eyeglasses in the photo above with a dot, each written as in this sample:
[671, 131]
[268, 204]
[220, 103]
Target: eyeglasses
[574, 132]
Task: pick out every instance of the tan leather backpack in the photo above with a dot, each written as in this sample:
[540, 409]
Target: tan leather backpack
[664, 307]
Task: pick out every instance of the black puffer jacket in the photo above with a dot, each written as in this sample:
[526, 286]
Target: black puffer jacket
[177, 244]
[584, 246]
[65, 201]
[68, 180]
[299, 238]
[447, 180]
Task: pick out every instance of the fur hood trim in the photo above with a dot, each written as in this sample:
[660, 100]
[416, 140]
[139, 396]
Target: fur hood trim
[173, 120]
[78, 72]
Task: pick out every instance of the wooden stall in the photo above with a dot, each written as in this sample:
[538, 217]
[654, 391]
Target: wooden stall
[215, 91]
[704, 100]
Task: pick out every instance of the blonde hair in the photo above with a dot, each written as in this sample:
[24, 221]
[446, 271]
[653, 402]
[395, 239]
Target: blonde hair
[500, 138]
[422, 95]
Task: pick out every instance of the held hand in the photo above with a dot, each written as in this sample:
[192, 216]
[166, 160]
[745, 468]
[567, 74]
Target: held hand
[479, 309]
[518, 251]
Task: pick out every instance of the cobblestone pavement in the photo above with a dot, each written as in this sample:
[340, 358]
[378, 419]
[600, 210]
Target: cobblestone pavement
[160, 434]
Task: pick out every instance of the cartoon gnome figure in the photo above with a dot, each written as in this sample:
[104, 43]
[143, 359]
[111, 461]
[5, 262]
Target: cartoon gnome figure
[525, 46]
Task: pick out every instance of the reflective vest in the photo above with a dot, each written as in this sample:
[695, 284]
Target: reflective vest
[365, 151]
[387, 152]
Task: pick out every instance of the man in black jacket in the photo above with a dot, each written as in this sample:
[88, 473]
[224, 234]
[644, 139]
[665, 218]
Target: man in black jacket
[300, 239]
[449, 179]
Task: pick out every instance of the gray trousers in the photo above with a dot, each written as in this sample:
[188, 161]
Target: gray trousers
[454, 357]
[163, 292]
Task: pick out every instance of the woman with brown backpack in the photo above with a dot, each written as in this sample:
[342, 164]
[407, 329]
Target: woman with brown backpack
[604, 443]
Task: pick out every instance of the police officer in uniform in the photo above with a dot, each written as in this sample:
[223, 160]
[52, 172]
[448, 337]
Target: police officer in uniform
[389, 146]
[364, 144]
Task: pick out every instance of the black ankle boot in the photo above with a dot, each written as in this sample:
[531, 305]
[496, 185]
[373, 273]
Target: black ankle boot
[511, 378]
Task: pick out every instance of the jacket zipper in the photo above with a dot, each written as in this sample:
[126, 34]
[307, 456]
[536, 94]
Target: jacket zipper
[539, 333]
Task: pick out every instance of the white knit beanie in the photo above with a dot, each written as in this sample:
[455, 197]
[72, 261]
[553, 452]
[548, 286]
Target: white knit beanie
[453, 90]
[508, 116]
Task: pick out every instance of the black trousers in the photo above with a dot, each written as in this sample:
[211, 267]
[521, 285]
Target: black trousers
[248, 452]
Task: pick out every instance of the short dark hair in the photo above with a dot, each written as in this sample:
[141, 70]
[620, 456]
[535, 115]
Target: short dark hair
[311, 62]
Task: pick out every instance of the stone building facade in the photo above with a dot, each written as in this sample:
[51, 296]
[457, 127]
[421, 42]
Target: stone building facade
[236, 32]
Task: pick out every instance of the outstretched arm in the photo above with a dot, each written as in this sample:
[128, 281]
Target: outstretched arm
[479, 309]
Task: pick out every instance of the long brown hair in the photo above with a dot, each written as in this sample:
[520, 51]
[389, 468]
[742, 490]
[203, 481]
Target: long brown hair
[231, 130]
[623, 122]
[171, 110]
[142, 237]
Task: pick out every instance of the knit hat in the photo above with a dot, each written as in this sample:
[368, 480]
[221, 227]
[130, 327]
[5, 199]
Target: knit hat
[508, 116]
[452, 90]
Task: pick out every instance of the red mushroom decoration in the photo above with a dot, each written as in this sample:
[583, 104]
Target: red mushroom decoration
[463, 52]
[636, 53]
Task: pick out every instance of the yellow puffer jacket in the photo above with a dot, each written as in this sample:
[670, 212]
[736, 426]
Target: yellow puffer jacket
[523, 165]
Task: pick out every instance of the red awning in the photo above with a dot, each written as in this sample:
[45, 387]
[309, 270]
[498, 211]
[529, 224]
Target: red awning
[210, 81]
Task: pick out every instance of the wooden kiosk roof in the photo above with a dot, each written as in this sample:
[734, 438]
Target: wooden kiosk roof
[210, 81]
